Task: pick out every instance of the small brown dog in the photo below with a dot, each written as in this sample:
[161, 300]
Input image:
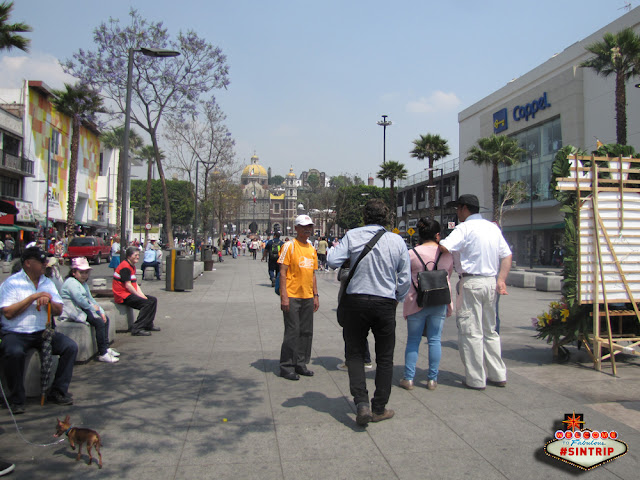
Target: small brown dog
[79, 436]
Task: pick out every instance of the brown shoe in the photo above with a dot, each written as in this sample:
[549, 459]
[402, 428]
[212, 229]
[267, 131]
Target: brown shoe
[431, 385]
[387, 414]
[363, 416]
[464, 384]
[406, 384]
[497, 384]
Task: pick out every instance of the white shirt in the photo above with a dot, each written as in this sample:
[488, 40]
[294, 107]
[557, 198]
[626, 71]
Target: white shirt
[480, 244]
[15, 289]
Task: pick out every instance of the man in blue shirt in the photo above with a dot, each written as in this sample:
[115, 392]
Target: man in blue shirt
[381, 280]
[151, 258]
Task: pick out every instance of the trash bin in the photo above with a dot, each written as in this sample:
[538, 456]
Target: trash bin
[183, 275]
[206, 254]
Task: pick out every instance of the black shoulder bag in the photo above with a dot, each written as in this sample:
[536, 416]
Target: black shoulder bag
[432, 288]
[345, 274]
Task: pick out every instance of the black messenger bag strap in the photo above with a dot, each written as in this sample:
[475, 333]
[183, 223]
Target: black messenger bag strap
[367, 248]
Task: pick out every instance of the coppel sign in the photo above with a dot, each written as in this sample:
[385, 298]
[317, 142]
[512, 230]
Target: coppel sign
[520, 112]
[530, 109]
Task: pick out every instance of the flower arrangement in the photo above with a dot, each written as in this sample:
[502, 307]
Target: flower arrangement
[553, 323]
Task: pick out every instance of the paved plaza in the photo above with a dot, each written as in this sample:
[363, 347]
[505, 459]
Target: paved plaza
[202, 399]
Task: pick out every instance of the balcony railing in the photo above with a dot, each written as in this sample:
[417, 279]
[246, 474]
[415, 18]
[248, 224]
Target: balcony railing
[17, 164]
[447, 167]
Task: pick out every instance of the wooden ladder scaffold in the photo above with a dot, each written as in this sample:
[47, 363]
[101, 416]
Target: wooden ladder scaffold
[608, 250]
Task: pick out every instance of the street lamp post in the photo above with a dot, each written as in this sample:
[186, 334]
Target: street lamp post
[384, 123]
[149, 52]
[441, 173]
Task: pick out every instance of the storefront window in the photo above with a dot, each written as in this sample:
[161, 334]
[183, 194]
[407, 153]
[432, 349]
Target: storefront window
[541, 143]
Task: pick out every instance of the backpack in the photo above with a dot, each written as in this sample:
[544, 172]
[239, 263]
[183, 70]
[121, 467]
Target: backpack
[274, 253]
[432, 287]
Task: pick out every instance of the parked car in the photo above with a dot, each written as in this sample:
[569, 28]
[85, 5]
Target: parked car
[93, 248]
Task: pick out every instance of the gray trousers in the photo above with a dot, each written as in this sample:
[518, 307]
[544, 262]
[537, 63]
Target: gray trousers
[478, 340]
[298, 334]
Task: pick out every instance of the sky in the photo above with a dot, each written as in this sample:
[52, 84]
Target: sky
[310, 80]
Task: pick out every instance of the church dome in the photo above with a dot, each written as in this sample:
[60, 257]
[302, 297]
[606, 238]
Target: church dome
[254, 169]
[291, 174]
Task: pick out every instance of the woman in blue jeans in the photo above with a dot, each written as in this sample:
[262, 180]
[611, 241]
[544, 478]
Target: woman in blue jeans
[429, 319]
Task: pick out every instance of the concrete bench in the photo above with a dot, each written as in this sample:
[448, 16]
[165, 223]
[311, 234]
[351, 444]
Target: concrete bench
[121, 317]
[521, 279]
[550, 282]
[32, 373]
[198, 269]
[85, 336]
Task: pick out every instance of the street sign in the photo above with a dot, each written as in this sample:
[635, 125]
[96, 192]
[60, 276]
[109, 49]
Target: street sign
[395, 230]
[451, 225]
[411, 231]
[148, 226]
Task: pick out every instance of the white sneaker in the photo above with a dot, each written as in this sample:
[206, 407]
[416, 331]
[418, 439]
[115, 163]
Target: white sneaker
[343, 367]
[113, 352]
[368, 366]
[108, 358]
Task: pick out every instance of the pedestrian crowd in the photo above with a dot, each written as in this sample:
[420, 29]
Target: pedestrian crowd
[377, 271]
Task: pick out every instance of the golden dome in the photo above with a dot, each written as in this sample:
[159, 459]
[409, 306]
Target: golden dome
[254, 169]
[291, 174]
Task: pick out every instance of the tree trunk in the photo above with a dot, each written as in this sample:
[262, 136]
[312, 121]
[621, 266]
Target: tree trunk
[495, 191]
[165, 192]
[621, 110]
[119, 194]
[147, 205]
[73, 176]
[432, 192]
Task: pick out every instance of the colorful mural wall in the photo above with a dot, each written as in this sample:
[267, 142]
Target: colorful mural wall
[43, 124]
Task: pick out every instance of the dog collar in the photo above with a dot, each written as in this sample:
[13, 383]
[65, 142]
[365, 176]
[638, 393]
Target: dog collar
[67, 431]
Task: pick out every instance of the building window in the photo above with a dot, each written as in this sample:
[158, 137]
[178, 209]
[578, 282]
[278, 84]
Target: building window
[53, 171]
[276, 208]
[55, 142]
[10, 187]
[541, 143]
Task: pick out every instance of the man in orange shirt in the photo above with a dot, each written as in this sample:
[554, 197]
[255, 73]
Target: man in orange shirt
[298, 300]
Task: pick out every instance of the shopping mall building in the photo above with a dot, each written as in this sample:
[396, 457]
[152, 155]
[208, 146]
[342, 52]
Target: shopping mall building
[555, 104]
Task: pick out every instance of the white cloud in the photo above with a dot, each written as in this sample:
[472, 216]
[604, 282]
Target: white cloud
[437, 102]
[37, 66]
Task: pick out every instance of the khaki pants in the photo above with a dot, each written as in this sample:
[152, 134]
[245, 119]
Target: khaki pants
[478, 341]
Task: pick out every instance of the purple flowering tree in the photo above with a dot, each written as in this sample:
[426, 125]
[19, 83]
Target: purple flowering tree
[160, 85]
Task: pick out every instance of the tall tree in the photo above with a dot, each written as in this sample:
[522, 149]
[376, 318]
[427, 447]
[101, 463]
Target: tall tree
[160, 85]
[9, 32]
[392, 171]
[113, 139]
[619, 54]
[494, 151]
[314, 181]
[432, 147]
[81, 103]
[148, 154]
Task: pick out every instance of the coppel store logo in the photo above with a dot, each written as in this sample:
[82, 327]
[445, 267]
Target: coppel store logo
[520, 112]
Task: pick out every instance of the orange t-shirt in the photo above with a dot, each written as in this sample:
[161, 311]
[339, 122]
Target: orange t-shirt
[302, 260]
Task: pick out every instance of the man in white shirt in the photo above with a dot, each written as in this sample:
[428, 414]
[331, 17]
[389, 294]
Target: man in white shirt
[485, 261]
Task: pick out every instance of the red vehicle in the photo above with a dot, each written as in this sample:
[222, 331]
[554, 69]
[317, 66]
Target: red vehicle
[93, 248]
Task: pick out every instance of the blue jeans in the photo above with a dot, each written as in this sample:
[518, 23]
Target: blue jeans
[434, 319]
[234, 249]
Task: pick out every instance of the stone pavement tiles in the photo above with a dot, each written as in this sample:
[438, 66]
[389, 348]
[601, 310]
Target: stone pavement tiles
[202, 399]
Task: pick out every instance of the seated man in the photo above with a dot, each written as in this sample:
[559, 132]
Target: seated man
[151, 258]
[127, 291]
[24, 298]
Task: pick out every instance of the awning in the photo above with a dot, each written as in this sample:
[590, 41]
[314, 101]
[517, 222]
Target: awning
[26, 229]
[17, 228]
[8, 228]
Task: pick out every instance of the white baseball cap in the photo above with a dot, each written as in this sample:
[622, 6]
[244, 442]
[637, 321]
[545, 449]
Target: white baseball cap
[303, 220]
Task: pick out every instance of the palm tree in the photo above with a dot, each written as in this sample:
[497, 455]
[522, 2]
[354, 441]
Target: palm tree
[392, 171]
[148, 153]
[81, 103]
[114, 140]
[494, 151]
[619, 54]
[9, 37]
[432, 147]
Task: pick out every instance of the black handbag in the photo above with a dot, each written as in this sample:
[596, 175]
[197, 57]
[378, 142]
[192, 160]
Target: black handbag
[345, 274]
[432, 287]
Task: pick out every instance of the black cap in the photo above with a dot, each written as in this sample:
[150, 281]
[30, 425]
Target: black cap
[469, 200]
[34, 252]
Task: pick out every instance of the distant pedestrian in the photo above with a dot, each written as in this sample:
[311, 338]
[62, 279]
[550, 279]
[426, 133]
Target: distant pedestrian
[485, 260]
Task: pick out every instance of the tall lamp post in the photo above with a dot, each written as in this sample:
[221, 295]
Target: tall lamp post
[384, 123]
[441, 173]
[149, 52]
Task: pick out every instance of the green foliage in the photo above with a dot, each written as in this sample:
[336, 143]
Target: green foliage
[276, 180]
[180, 200]
[340, 181]
[313, 180]
[9, 37]
[350, 201]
